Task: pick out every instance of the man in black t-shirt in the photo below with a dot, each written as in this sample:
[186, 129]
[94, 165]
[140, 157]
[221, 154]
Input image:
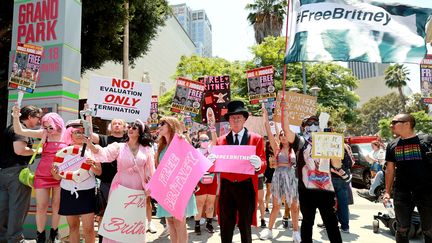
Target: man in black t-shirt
[14, 196]
[410, 171]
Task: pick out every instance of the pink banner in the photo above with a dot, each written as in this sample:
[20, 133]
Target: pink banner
[234, 159]
[177, 175]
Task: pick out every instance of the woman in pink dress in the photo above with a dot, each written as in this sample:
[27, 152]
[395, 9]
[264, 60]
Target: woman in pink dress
[135, 159]
[52, 133]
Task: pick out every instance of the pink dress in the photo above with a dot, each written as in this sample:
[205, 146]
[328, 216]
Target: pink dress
[43, 177]
[132, 171]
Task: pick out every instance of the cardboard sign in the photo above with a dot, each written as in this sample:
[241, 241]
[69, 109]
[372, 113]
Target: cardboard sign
[216, 98]
[234, 159]
[25, 69]
[188, 97]
[426, 78]
[179, 171]
[113, 98]
[153, 119]
[125, 216]
[327, 145]
[299, 107]
[261, 84]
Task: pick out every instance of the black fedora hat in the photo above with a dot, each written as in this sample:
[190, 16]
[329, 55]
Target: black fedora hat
[236, 107]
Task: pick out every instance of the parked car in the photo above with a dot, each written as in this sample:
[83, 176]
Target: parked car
[361, 146]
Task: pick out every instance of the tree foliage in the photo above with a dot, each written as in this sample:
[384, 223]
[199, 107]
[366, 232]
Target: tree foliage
[379, 108]
[395, 77]
[423, 124]
[267, 17]
[334, 80]
[102, 29]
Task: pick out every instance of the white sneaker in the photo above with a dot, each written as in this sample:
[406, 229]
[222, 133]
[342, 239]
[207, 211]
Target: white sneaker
[165, 232]
[266, 234]
[151, 227]
[296, 237]
[202, 221]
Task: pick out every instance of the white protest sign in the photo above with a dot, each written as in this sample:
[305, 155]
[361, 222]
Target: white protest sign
[125, 216]
[327, 145]
[112, 98]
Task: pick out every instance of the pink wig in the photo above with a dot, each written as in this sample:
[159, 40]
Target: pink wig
[54, 120]
[67, 139]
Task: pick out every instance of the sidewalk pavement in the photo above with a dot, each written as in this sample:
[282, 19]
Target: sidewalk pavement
[361, 217]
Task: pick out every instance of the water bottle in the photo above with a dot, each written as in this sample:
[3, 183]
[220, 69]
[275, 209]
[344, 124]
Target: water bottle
[389, 206]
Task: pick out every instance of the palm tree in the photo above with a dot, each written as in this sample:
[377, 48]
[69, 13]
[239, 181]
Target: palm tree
[395, 77]
[267, 17]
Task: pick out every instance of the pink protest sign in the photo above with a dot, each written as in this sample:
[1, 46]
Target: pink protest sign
[234, 159]
[179, 171]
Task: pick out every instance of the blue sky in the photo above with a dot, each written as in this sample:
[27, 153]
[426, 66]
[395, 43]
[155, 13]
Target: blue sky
[233, 36]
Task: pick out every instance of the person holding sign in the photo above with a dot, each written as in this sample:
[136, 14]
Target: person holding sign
[52, 133]
[167, 128]
[135, 161]
[284, 182]
[207, 187]
[77, 200]
[315, 185]
[238, 192]
[15, 196]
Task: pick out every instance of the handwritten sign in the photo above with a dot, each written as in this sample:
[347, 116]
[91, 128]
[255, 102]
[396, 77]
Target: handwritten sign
[177, 175]
[188, 97]
[113, 98]
[299, 107]
[125, 216]
[25, 69]
[261, 84]
[327, 145]
[234, 159]
[216, 98]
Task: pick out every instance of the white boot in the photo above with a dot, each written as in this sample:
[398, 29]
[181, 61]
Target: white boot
[296, 237]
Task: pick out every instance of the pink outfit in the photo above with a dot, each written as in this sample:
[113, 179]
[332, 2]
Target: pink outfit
[43, 177]
[132, 172]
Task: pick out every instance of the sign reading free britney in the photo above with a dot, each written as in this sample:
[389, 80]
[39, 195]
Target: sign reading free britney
[234, 159]
[179, 171]
[125, 216]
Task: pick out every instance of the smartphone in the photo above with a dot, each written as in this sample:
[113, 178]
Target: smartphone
[327, 129]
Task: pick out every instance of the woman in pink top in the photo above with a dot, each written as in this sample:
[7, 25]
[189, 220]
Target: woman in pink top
[135, 159]
[52, 134]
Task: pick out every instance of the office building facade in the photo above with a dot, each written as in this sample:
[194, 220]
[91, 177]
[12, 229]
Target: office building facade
[197, 24]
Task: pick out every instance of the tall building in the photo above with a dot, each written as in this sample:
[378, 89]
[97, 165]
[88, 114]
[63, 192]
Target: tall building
[363, 70]
[198, 26]
[371, 81]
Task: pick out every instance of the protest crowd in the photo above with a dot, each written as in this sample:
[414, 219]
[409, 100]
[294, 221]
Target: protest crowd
[219, 161]
[227, 183]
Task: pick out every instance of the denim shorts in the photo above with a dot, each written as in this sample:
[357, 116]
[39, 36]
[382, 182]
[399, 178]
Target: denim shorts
[376, 167]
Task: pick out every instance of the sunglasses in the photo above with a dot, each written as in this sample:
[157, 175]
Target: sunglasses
[48, 128]
[394, 122]
[133, 127]
[161, 124]
[205, 140]
[310, 123]
[78, 133]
